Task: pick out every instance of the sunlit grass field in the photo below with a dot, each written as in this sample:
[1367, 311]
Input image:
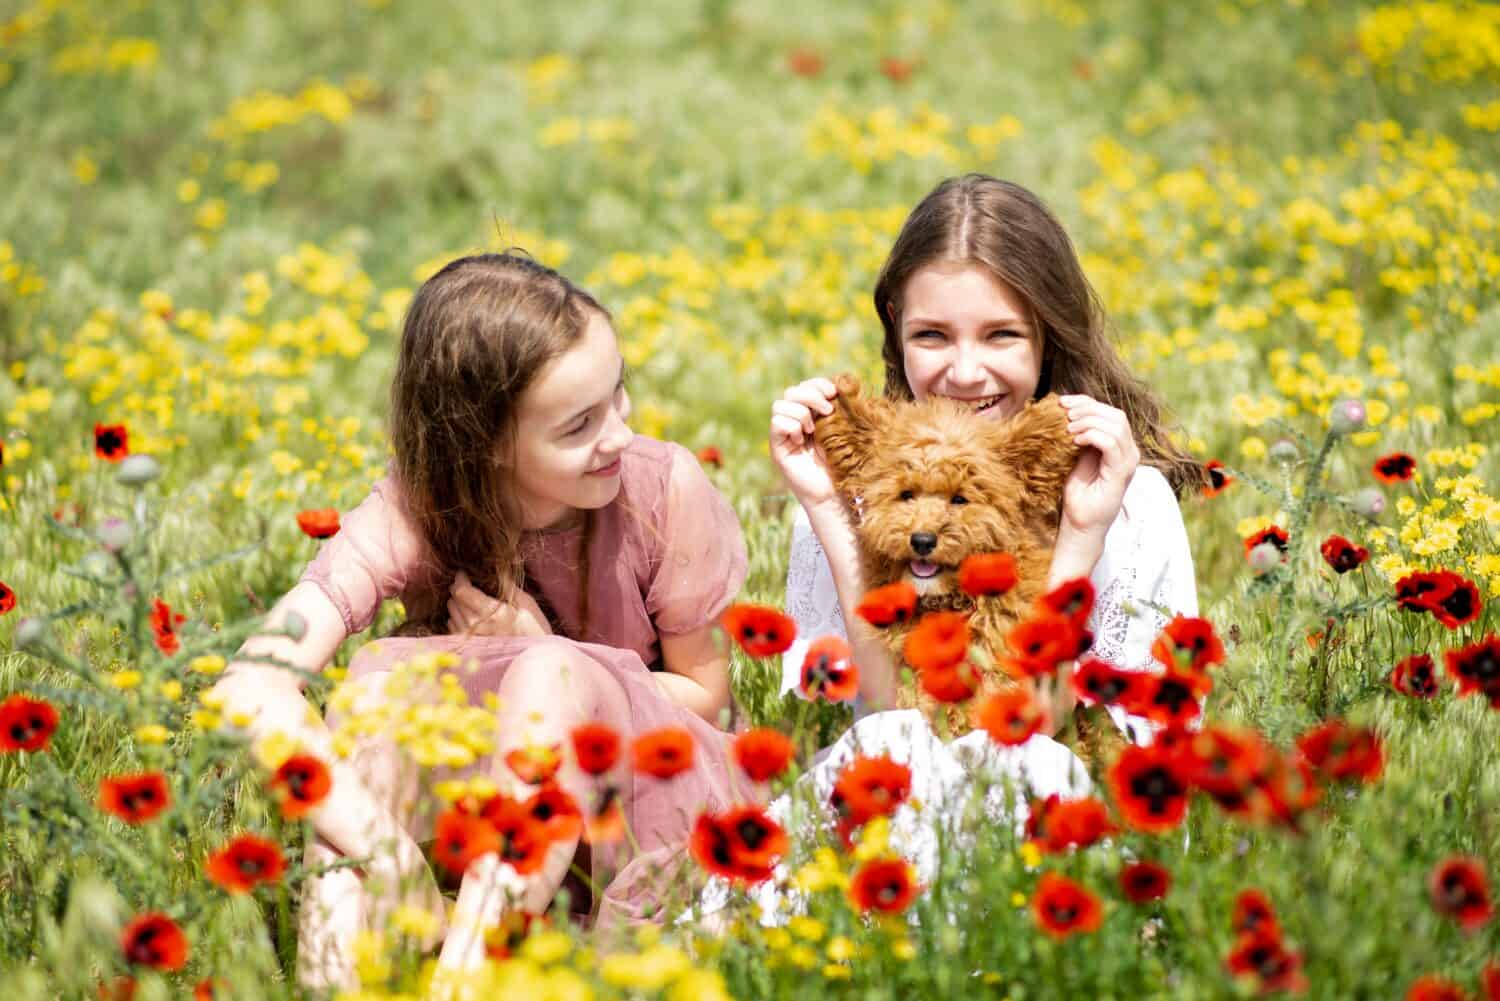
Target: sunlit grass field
[215, 213]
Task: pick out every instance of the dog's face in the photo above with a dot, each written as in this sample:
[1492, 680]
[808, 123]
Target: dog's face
[937, 482]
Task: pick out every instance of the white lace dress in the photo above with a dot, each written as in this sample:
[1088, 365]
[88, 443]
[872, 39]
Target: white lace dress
[1146, 568]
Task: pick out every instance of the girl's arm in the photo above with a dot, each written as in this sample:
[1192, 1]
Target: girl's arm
[877, 671]
[697, 672]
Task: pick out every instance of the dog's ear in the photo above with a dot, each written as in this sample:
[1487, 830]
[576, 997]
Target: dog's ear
[847, 436]
[1036, 445]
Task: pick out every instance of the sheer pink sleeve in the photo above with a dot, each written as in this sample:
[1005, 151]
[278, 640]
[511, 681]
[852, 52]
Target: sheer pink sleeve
[702, 564]
[376, 555]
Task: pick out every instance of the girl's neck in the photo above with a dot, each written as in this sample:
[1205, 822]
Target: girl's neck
[558, 521]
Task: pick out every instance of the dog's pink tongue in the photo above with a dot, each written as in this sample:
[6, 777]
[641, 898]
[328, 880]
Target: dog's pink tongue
[921, 568]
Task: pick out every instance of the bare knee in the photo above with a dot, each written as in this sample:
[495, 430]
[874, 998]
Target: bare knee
[556, 679]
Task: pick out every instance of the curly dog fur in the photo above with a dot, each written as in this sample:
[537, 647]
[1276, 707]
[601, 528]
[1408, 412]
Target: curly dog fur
[933, 483]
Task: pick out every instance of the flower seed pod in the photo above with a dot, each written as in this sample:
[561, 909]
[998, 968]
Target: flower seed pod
[115, 534]
[30, 633]
[294, 625]
[1285, 451]
[1264, 558]
[1369, 503]
[1347, 416]
[138, 470]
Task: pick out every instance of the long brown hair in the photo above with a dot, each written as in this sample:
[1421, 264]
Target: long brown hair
[1002, 227]
[476, 335]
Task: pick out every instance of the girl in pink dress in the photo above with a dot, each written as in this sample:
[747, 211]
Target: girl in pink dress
[611, 557]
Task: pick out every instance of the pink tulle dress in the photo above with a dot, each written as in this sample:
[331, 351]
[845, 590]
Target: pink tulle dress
[667, 557]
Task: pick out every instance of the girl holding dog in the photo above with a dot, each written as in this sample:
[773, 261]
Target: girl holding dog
[611, 557]
[983, 301]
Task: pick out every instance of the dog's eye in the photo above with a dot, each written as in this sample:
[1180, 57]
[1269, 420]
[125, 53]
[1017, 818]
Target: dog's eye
[959, 499]
[907, 495]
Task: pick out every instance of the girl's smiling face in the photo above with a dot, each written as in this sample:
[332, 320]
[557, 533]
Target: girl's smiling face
[966, 336]
[571, 430]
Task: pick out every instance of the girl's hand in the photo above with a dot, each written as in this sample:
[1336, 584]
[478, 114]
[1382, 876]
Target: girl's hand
[473, 612]
[792, 447]
[1094, 492]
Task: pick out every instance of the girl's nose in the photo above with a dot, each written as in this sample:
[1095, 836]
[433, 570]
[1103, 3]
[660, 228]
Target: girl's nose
[965, 369]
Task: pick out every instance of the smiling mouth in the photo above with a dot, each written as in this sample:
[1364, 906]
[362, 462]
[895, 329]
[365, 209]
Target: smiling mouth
[981, 404]
[925, 569]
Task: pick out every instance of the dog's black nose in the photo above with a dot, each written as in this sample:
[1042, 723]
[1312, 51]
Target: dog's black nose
[923, 543]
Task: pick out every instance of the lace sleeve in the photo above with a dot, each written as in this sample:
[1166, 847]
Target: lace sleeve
[812, 600]
[1144, 577]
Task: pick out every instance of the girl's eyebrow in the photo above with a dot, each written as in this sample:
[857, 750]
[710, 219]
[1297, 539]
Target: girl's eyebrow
[579, 414]
[923, 322]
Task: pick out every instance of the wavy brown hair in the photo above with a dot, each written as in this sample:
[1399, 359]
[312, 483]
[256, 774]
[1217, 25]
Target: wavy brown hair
[476, 335]
[1005, 229]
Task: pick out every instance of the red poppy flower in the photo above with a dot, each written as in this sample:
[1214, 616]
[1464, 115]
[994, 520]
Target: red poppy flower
[742, 844]
[300, 784]
[135, 798]
[1072, 599]
[460, 838]
[804, 62]
[207, 989]
[596, 746]
[26, 724]
[761, 631]
[242, 863]
[164, 623]
[1289, 789]
[1170, 698]
[896, 70]
[1254, 915]
[1099, 683]
[710, 455]
[663, 753]
[1342, 555]
[1461, 890]
[556, 812]
[1055, 824]
[763, 754]
[1142, 882]
[1011, 717]
[870, 787]
[1341, 751]
[1395, 468]
[1063, 907]
[1432, 987]
[1490, 978]
[1188, 644]
[887, 885]
[154, 940]
[7, 598]
[988, 574]
[1416, 676]
[1149, 789]
[1216, 479]
[939, 639]
[887, 605]
[1476, 668]
[111, 442]
[1422, 590]
[319, 524]
[118, 989]
[1460, 606]
[1274, 534]
[534, 763]
[1041, 644]
[828, 672]
[1267, 958]
[523, 842]
[1227, 765]
[607, 825]
[950, 684]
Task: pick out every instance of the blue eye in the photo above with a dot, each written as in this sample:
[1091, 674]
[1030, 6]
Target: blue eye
[1005, 333]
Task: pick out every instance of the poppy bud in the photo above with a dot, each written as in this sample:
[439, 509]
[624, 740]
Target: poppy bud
[1264, 558]
[1285, 451]
[30, 633]
[1369, 503]
[294, 625]
[96, 564]
[115, 534]
[1347, 416]
[138, 470]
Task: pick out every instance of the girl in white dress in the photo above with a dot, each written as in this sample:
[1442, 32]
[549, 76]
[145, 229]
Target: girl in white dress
[983, 301]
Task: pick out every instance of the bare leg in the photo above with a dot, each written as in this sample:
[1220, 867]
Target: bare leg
[547, 691]
[338, 905]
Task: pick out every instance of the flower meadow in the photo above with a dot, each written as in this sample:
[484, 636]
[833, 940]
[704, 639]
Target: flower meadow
[217, 212]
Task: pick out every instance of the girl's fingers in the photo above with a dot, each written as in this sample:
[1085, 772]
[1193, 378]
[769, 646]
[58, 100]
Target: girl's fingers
[1107, 444]
[809, 396]
[826, 387]
[796, 411]
[788, 430]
